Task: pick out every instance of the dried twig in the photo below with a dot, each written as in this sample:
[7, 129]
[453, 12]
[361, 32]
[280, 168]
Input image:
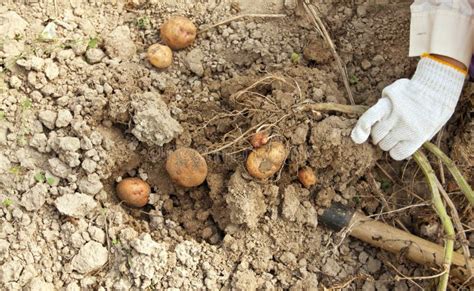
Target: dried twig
[431, 180]
[318, 23]
[463, 185]
[239, 17]
[349, 109]
[459, 227]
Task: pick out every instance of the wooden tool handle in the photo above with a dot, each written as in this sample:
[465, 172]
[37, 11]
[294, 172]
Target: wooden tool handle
[395, 240]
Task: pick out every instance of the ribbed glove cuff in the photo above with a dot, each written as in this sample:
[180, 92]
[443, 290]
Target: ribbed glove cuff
[445, 80]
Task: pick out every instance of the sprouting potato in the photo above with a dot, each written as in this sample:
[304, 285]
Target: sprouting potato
[265, 161]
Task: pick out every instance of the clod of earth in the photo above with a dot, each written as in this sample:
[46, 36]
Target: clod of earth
[160, 55]
[186, 167]
[265, 161]
[178, 32]
[133, 191]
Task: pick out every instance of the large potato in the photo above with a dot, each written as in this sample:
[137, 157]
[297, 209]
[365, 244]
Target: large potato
[186, 167]
[265, 161]
[178, 32]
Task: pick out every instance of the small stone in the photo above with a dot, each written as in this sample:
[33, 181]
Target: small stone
[48, 118]
[90, 257]
[64, 118]
[373, 265]
[69, 143]
[331, 268]
[366, 65]
[37, 64]
[38, 284]
[12, 24]
[58, 168]
[39, 141]
[51, 70]
[378, 60]
[75, 205]
[97, 234]
[90, 185]
[94, 55]
[119, 44]
[34, 198]
[15, 82]
[194, 61]
[89, 165]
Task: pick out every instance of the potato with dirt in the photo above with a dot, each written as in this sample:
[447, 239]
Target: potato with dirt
[186, 167]
[178, 32]
[265, 161]
[160, 55]
[133, 191]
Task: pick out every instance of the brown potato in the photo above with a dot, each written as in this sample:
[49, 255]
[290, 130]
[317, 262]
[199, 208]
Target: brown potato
[265, 161]
[134, 191]
[186, 167]
[259, 139]
[160, 55]
[178, 32]
[307, 177]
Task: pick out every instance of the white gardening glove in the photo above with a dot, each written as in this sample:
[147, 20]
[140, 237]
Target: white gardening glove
[411, 112]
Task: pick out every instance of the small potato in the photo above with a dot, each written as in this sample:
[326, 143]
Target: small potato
[134, 191]
[160, 55]
[186, 167]
[307, 177]
[265, 161]
[178, 32]
[259, 139]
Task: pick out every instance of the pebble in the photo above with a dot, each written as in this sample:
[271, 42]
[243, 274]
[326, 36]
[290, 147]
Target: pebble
[94, 55]
[90, 185]
[90, 257]
[34, 198]
[366, 65]
[48, 118]
[378, 60]
[193, 61]
[37, 64]
[331, 268]
[373, 265]
[89, 165]
[69, 144]
[51, 70]
[15, 82]
[64, 118]
[75, 205]
[119, 43]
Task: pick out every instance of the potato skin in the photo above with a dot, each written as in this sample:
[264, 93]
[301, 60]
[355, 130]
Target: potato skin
[133, 191]
[186, 167]
[265, 161]
[160, 55]
[259, 139]
[178, 32]
[307, 177]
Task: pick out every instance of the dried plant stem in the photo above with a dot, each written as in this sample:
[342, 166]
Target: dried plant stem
[239, 17]
[431, 180]
[462, 183]
[349, 109]
[318, 23]
[459, 227]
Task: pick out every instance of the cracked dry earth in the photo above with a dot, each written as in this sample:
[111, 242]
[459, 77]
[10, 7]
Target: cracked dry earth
[81, 108]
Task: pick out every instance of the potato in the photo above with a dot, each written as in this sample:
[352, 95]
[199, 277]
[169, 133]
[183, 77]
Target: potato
[133, 191]
[307, 177]
[265, 161]
[259, 139]
[178, 32]
[160, 55]
[186, 167]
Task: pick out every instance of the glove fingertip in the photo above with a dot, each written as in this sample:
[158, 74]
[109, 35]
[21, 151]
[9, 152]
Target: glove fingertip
[359, 135]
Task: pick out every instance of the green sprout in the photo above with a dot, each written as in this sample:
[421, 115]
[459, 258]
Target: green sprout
[353, 79]
[7, 202]
[39, 177]
[295, 58]
[115, 242]
[143, 22]
[26, 104]
[2, 115]
[15, 170]
[93, 42]
[51, 181]
[385, 185]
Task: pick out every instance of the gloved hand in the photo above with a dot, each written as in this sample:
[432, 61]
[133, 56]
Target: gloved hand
[411, 112]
